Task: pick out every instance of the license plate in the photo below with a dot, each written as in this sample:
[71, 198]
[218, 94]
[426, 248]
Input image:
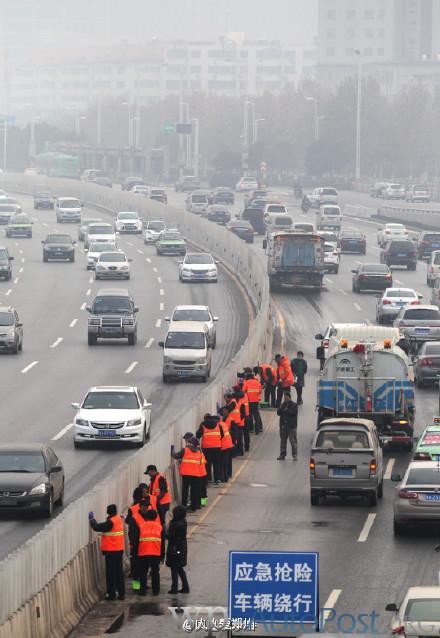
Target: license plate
[106, 433]
[401, 254]
[8, 501]
[184, 373]
[422, 330]
[431, 497]
[341, 471]
[111, 330]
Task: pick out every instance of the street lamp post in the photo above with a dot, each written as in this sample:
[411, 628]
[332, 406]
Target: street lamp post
[183, 152]
[256, 122]
[128, 105]
[315, 116]
[79, 119]
[196, 145]
[358, 115]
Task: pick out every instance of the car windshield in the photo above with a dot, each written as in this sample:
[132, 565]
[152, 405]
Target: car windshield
[199, 258]
[331, 210]
[431, 237]
[422, 314]
[307, 227]
[342, 440]
[191, 314]
[171, 236]
[395, 186]
[58, 239]
[432, 349]
[42, 195]
[107, 305]
[436, 259]
[101, 247]
[374, 268]
[328, 248]
[402, 245]
[395, 227]
[20, 219]
[328, 191]
[282, 221]
[87, 222]
[4, 253]
[407, 294]
[22, 462]
[424, 476]
[351, 234]
[8, 208]
[275, 208]
[113, 257]
[157, 226]
[199, 199]
[418, 187]
[185, 340]
[101, 230]
[6, 319]
[69, 203]
[111, 401]
[128, 216]
[423, 609]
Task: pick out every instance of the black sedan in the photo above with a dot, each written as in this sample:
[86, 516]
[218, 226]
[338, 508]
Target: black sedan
[427, 242]
[224, 196]
[58, 246]
[218, 214]
[31, 478]
[371, 277]
[242, 229]
[43, 200]
[352, 241]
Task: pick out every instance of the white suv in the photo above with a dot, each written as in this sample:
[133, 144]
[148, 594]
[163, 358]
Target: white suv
[128, 222]
[196, 314]
[112, 413]
[68, 209]
[101, 232]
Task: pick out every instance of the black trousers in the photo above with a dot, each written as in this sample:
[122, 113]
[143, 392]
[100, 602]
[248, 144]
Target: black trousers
[280, 391]
[147, 564]
[177, 572]
[203, 487]
[162, 511]
[226, 464]
[299, 391]
[239, 450]
[255, 418]
[270, 392]
[114, 574]
[191, 487]
[213, 462]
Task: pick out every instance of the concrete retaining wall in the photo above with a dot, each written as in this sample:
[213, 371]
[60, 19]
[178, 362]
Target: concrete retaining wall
[51, 581]
[420, 217]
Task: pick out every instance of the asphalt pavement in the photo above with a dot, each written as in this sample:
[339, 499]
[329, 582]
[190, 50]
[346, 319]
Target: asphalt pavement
[57, 366]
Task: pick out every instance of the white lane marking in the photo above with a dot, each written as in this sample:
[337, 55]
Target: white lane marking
[158, 323]
[91, 280]
[62, 432]
[141, 252]
[20, 250]
[161, 292]
[330, 604]
[149, 342]
[129, 243]
[344, 292]
[357, 306]
[44, 224]
[29, 367]
[16, 280]
[148, 260]
[161, 306]
[89, 292]
[366, 528]
[15, 243]
[57, 342]
[21, 269]
[328, 280]
[83, 306]
[8, 292]
[154, 269]
[131, 367]
[73, 323]
[389, 468]
[23, 260]
[159, 279]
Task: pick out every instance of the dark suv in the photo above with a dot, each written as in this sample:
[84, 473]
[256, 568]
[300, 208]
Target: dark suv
[427, 242]
[112, 316]
[400, 252]
[58, 246]
[5, 263]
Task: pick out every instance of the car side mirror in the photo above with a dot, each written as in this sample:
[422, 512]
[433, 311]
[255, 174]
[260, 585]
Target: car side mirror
[86, 250]
[319, 337]
[181, 261]
[161, 344]
[136, 309]
[129, 259]
[396, 478]
[11, 258]
[354, 272]
[167, 318]
[74, 243]
[56, 468]
[75, 405]
[19, 324]
[264, 244]
[88, 308]
[215, 318]
[42, 241]
[391, 607]
[419, 295]
[217, 261]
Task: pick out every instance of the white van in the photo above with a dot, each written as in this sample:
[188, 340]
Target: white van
[329, 216]
[186, 352]
[101, 232]
[68, 209]
[277, 221]
[197, 202]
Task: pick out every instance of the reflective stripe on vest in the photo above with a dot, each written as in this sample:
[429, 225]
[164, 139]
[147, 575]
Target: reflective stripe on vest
[155, 490]
[191, 462]
[150, 537]
[265, 367]
[252, 387]
[113, 541]
[211, 437]
[226, 442]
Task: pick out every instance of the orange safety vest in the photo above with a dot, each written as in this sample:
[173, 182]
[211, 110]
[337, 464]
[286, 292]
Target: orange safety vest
[114, 541]
[235, 412]
[150, 537]
[285, 373]
[226, 442]
[245, 401]
[155, 491]
[152, 506]
[191, 462]
[264, 368]
[211, 438]
[252, 387]
[202, 466]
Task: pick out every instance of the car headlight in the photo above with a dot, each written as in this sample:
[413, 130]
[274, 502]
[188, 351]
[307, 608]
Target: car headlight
[201, 360]
[167, 359]
[11, 333]
[39, 489]
[187, 271]
[82, 422]
[124, 267]
[134, 422]
[99, 267]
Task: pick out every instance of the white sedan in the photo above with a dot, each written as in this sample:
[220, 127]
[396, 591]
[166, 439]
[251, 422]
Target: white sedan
[198, 267]
[140, 189]
[246, 184]
[391, 231]
[112, 265]
[332, 258]
[393, 299]
[112, 413]
[418, 614]
[153, 230]
[95, 249]
[128, 222]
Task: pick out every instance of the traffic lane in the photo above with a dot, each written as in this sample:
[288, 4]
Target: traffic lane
[364, 199]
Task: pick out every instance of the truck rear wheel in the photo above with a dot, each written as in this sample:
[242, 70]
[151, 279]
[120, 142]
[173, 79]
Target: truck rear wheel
[91, 340]
[273, 286]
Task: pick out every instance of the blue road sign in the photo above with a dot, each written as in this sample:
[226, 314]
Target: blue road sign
[274, 588]
[9, 119]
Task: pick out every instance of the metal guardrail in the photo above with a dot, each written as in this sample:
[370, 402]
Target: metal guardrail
[30, 568]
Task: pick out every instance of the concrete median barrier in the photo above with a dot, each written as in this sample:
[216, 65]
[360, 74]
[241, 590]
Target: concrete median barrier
[56, 576]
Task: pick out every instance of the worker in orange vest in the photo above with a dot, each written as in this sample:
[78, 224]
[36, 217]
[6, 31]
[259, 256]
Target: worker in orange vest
[159, 488]
[148, 546]
[227, 445]
[190, 458]
[253, 389]
[269, 379]
[243, 425]
[210, 436]
[285, 376]
[203, 476]
[112, 546]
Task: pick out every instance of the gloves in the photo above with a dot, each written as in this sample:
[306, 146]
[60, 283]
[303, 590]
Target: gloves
[91, 516]
[172, 449]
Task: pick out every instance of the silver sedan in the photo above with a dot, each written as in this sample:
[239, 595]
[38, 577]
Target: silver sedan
[417, 497]
[393, 299]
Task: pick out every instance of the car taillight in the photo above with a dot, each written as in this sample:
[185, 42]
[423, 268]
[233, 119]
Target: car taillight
[312, 466]
[388, 276]
[335, 252]
[400, 631]
[386, 302]
[414, 254]
[402, 324]
[325, 343]
[426, 362]
[422, 456]
[373, 468]
[425, 243]
[405, 494]
[362, 276]
[416, 302]
[368, 404]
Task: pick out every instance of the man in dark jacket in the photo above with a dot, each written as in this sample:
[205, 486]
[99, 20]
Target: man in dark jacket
[288, 413]
[151, 561]
[191, 485]
[212, 454]
[112, 546]
[299, 369]
[177, 550]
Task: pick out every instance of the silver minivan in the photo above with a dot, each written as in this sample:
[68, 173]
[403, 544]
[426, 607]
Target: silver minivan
[346, 460]
[186, 352]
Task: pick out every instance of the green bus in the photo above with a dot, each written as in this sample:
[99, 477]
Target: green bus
[55, 164]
